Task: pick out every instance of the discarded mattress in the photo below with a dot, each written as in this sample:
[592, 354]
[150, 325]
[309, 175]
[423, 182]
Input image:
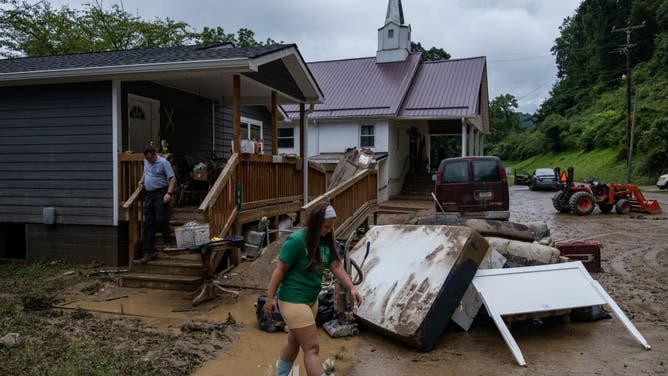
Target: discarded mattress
[414, 278]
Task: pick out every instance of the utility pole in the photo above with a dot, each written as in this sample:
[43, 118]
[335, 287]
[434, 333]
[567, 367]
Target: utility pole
[626, 50]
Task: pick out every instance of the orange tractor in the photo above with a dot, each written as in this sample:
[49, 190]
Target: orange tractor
[581, 199]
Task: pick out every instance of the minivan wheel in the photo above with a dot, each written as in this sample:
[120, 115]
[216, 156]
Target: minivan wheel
[560, 202]
[582, 203]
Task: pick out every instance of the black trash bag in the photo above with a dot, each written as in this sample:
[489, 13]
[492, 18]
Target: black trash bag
[325, 308]
[592, 313]
[275, 323]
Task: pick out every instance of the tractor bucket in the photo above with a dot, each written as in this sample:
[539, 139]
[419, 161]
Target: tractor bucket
[643, 206]
[650, 206]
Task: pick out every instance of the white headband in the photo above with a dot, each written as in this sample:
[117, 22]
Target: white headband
[329, 212]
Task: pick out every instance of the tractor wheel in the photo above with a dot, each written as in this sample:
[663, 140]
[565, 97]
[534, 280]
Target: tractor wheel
[623, 206]
[606, 208]
[582, 203]
[560, 201]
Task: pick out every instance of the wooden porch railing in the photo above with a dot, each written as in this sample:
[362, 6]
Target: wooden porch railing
[260, 181]
[353, 201]
[220, 204]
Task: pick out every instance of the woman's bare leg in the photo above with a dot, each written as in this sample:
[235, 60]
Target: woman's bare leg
[307, 338]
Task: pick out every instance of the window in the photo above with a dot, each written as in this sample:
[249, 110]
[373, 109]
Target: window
[390, 34]
[286, 137]
[137, 112]
[250, 129]
[456, 172]
[485, 170]
[366, 136]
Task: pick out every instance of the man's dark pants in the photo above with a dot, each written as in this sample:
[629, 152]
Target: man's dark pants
[156, 219]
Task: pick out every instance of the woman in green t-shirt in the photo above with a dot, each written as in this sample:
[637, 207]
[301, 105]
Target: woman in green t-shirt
[296, 279]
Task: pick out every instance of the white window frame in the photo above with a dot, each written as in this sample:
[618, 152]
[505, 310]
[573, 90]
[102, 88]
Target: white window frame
[249, 124]
[286, 138]
[390, 34]
[372, 136]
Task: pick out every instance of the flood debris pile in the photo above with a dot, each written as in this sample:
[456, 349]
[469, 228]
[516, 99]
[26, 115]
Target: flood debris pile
[415, 275]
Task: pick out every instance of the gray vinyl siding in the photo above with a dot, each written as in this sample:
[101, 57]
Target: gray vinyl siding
[224, 127]
[56, 151]
[79, 244]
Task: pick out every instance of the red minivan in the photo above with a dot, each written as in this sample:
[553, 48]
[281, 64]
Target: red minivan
[473, 187]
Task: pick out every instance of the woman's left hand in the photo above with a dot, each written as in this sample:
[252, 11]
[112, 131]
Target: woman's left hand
[357, 297]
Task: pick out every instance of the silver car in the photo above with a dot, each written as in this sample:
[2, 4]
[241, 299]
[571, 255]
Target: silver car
[543, 178]
[662, 183]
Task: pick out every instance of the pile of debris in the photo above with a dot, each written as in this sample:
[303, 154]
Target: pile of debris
[414, 275]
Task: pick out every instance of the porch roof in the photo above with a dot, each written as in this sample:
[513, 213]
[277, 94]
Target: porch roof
[203, 70]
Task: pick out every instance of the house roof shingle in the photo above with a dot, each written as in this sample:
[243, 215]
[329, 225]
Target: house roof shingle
[134, 57]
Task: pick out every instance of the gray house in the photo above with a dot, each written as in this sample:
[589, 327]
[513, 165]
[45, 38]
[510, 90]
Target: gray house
[68, 123]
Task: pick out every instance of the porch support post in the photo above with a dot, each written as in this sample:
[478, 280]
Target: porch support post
[477, 143]
[274, 122]
[302, 152]
[482, 144]
[463, 137]
[236, 113]
[471, 139]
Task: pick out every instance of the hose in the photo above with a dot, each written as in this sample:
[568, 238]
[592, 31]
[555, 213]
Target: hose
[360, 274]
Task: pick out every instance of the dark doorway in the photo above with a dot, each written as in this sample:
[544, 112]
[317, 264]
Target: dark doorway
[12, 241]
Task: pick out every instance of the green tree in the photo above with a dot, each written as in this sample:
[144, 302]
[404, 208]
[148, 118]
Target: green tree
[431, 54]
[503, 117]
[41, 30]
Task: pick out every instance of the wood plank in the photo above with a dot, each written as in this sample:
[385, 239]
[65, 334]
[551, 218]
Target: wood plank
[255, 214]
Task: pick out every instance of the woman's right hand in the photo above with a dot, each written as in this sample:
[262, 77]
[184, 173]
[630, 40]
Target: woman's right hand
[269, 306]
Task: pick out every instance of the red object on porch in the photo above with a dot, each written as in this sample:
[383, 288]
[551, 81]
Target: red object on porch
[589, 252]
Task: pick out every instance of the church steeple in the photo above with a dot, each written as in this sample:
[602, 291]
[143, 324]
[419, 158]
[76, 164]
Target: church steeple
[394, 39]
[395, 12]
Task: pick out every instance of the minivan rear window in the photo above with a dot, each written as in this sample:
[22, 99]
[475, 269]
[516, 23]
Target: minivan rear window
[456, 172]
[485, 170]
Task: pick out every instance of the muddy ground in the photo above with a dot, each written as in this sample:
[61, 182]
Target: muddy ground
[635, 263]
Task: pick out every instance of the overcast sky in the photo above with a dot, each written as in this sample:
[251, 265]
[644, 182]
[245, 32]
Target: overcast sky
[514, 35]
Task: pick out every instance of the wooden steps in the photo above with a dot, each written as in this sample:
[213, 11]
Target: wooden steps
[416, 187]
[182, 272]
[169, 266]
[162, 281]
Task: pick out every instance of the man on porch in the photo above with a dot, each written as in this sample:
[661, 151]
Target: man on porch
[158, 180]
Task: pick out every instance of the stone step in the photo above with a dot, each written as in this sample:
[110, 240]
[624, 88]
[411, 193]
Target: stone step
[161, 281]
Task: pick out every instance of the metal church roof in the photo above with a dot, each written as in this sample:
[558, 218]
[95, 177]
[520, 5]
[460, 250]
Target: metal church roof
[410, 89]
[361, 87]
[445, 89]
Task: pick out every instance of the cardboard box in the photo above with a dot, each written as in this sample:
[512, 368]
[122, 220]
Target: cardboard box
[588, 252]
[192, 234]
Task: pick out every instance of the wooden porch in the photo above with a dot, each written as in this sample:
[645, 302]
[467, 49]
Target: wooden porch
[249, 188]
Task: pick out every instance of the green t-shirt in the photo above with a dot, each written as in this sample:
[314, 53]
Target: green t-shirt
[301, 284]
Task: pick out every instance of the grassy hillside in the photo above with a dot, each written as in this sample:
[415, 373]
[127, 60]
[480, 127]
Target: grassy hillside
[601, 164]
